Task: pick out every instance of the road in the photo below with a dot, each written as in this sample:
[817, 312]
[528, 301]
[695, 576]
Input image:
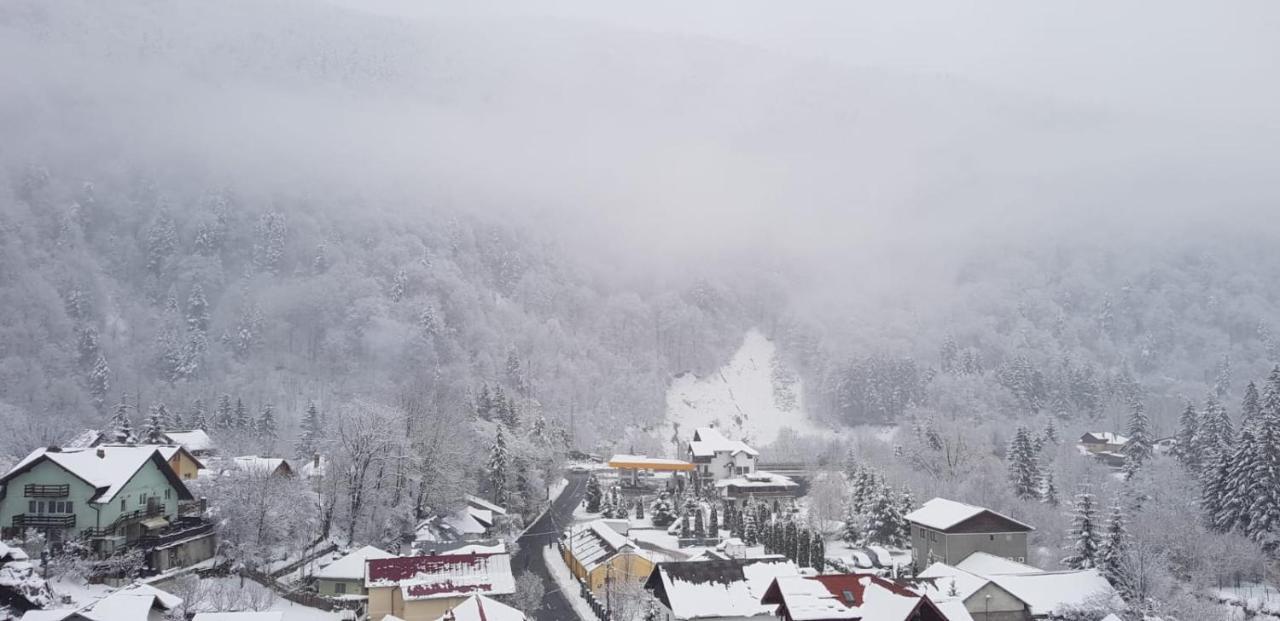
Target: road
[544, 531]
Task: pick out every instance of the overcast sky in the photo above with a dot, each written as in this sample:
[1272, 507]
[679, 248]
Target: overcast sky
[669, 132]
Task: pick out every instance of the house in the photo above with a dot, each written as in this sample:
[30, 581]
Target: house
[345, 576]
[716, 457]
[759, 485]
[138, 602]
[848, 596]
[269, 615]
[423, 588]
[488, 514]
[481, 608]
[111, 495]
[949, 531]
[262, 466]
[478, 521]
[196, 441]
[315, 467]
[1103, 442]
[717, 589]
[597, 555]
[182, 461]
[1014, 591]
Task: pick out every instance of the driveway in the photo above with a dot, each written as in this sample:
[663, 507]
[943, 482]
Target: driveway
[546, 530]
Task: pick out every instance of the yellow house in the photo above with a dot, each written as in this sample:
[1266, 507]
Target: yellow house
[423, 588]
[599, 555]
[182, 462]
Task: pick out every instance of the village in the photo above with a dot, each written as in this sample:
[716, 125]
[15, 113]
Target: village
[713, 534]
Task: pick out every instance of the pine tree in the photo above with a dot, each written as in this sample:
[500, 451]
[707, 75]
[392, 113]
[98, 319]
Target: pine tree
[699, 526]
[818, 553]
[508, 412]
[594, 497]
[1187, 449]
[198, 418]
[686, 531]
[906, 503]
[153, 433]
[162, 239]
[197, 310]
[1048, 490]
[515, 373]
[240, 420]
[1084, 539]
[1115, 546]
[484, 403]
[804, 543]
[99, 382]
[121, 426]
[1138, 449]
[750, 529]
[790, 537]
[713, 522]
[224, 417]
[496, 473]
[640, 509]
[1251, 406]
[1264, 486]
[662, 514]
[266, 426]
[1024, 468]
[176, 422]
[1050, 433]
[1224, 484]
[851, 465]
[852, 525]
[309, 438]
[884, 521]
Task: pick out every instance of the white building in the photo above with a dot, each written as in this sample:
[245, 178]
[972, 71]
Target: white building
[716, 457]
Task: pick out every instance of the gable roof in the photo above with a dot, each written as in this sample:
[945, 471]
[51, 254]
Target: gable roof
[192, 440]
[717, 588]
[1046, 593]
[844, 596]
[983, 564]
[708, 441]
[107, 468]
[268, 615]
[351, 566]
[254, 464]
[481, 608]
[951, 516]
[594, 543]
[443, 575]
[167, 451]
[480, 503]
[1103, 437]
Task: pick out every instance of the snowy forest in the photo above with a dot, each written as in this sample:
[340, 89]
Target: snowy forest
[436, 253]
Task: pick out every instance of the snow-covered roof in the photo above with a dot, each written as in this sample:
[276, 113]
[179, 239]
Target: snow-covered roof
[497, 548]
[254, 464]
[351, 566]
[108, 468]
[10, 553]
[942, 514]
[193, 440]
[1044, 592]
[848, 596]
[84, 439]
[266, 615]
[444, 575]
[985, 564]
[1047, 592]
[594, 543]
[481, 608]
[707, 441]
[165, 599]
[718, 588]
[642, 462]
[315, 467]
[1104, 436]
[759, 478]
[480, 503]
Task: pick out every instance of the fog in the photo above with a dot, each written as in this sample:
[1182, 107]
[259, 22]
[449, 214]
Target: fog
[827, 135]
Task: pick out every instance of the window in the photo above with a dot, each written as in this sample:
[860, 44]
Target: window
[70, 509]
[122, 501]
[31, 506]
[40, 506]
[166, 494]
[340, 588]
[1022, 559]
[933, 536]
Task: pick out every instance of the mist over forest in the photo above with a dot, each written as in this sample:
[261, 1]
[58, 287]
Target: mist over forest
[968, 222]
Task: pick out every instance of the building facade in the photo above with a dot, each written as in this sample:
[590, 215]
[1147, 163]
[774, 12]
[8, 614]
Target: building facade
[948, 532]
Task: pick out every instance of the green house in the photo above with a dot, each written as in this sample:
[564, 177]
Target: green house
[112, 496]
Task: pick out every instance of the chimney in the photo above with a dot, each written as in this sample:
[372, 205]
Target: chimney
[102, 453]
[316, 460]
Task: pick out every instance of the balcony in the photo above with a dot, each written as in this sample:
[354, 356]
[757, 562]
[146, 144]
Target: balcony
[44, 520]
[32, 490]
[185, 529]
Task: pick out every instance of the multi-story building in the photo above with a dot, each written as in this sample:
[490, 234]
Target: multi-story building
[716, 457]
[946, 531]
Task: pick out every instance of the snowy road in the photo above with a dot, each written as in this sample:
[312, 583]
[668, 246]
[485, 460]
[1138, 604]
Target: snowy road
[543, 532]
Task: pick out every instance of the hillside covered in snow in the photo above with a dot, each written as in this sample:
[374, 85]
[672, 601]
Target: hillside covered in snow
[751, 398]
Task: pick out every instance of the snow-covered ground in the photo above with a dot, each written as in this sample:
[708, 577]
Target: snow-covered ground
[1255, 598]
[566, 583]
[745, 399]
[555, 490]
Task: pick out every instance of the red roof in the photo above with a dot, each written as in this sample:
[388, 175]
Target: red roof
[404, 568]
[837, 585]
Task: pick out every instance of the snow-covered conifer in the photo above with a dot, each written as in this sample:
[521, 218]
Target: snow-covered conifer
[1115, 544]
[121, 428]
[310, 432]
[594, 496]
[1138, 449]
[153, 433]
[1187, 449]
[199, 420]
[266, 426]
[1084, 538]
[1024, 465]
[496, 472]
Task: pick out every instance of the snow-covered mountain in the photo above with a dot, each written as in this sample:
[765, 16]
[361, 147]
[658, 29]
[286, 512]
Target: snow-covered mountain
[751, 398]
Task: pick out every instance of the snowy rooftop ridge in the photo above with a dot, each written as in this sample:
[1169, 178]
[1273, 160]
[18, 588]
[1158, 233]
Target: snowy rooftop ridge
[193, 440]
[596, 542]
[107, 468]
[708, 441]
[481, 608]
[351, 566]
[1044, 592]
[445, 575]
[848, 596]
[943, 514]
[729, 588]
